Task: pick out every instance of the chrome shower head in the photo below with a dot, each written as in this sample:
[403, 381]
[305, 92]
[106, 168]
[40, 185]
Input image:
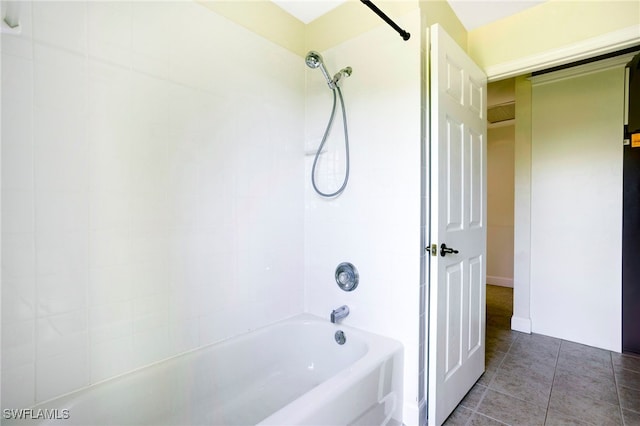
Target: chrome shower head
[314, 60]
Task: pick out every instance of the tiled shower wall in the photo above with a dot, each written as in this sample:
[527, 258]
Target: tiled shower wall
[151, 165]
[375, 223]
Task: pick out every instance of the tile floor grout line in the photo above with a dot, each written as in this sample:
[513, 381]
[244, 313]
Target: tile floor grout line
[487, 416]
[553, 380]
[510, 346]
[475, 409]
[565, 349]
[615, 381]
[511, 396]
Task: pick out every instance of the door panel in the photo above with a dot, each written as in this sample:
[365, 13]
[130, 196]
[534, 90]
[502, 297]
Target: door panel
[453, 348]
[476, 308]
[455, 175]
[476, 174]
[458, 219]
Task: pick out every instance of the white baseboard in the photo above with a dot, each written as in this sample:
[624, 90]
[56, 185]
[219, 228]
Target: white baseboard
[500, 281]
[521, 324]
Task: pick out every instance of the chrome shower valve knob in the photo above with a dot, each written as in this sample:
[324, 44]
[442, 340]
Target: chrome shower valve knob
[347, 276]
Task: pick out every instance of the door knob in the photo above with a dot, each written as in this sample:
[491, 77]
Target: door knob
[444, 250]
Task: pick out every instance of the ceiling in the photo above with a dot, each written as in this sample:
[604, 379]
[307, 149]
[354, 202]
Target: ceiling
[472, 13]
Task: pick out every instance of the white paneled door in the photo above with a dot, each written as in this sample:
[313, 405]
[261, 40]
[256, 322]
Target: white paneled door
[458, 225]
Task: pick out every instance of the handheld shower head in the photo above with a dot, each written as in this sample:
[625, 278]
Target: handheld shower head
[314, 60]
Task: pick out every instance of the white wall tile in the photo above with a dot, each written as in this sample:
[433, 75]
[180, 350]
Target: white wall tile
[61, 374]
[110, 284]
[215, 326]
[150, 100]
[58, 334]
[150, 346]
[109, 210]
[109, 26]
[18, 389]
[182, 302]
[61, 150]
[152, 186]
[61, 252]
[111, 125]
[149, 211]
[110, 321]
[150, 28]
[62, 292]
[17, 123]
[183, 336]
[110, 161]
[60, 79]
[18, 299]
[109, 248]
[62, 211]
[17, 211]
[150, 250]
[111, 358]
[144, 324]
[18, 256]
[150, 312]
[17, 174]
[18, 344]
[62, 24]
[155, 67]
[18, 46]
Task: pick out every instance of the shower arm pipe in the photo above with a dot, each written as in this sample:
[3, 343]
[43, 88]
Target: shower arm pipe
[405, 35]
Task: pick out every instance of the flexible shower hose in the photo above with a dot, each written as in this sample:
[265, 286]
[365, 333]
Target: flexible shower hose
[324, 139]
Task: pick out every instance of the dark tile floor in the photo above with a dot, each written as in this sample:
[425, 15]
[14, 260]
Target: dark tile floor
[532, 379]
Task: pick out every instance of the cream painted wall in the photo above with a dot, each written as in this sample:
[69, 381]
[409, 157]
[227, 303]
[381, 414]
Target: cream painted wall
[500, 196]
[335, 27]
[263, 17]
[576, 208]
[351, 19]
[439, 12]
[547, 34]
[521, 319]
[346, 21]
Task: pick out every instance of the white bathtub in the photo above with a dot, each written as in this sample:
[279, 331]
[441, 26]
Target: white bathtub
[290, 373]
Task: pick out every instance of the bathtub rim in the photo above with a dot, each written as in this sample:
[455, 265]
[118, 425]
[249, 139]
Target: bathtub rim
[304, 317]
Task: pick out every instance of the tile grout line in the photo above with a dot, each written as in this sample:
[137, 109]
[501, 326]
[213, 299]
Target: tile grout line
[34, 237]
[553, 380]
[475, 410]
[615, 381]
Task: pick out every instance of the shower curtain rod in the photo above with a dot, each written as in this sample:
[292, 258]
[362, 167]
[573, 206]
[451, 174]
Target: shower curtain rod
[405, 35]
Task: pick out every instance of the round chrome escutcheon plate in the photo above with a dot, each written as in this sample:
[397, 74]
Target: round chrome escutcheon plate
[347, 276]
